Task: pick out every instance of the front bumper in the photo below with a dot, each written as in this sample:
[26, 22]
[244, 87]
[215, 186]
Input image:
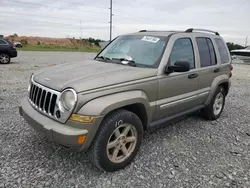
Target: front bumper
[64, 134]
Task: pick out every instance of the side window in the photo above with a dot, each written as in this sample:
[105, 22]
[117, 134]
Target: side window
[212, 52]
[182, 51]
[206, 51]
[2, 42]
[222, 50]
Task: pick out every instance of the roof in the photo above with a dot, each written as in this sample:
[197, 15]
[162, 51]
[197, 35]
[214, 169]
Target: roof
[158, 33]
[167, 33]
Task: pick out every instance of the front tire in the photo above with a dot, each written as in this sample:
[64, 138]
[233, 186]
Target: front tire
[214, 109]
[4, 58]
[117, 141]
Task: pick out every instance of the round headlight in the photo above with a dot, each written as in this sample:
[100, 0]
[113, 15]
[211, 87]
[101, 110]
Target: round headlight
[68, 99]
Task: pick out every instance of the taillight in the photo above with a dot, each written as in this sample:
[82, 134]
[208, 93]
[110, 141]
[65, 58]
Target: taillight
[14, 47]
[231, 67]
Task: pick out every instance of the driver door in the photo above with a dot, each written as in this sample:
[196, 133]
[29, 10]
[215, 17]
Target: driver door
[177, 90]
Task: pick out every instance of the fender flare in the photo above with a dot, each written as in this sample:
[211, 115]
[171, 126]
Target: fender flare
[105, 104]
[216, 82]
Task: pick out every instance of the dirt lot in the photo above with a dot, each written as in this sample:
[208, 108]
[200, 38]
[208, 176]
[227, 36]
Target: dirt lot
[191, 153]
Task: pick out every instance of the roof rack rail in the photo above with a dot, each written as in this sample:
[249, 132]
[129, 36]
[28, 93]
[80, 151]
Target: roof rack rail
[206, 30]
[155, 31]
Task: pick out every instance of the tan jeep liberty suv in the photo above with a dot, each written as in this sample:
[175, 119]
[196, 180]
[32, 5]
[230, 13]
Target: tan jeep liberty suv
[138, 81]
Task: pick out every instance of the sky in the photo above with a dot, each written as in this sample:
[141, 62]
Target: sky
[90, 18]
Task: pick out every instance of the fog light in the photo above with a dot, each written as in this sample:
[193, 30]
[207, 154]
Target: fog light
[81, 139]
[81, 118]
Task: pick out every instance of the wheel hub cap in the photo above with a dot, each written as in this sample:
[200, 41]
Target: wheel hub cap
[4, 58]
[121, 143]
[218, 103]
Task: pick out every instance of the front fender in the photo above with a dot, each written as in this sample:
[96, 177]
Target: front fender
[216, 82]
[105, 104]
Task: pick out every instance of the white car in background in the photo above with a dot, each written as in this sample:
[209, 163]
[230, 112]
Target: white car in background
[18, 44]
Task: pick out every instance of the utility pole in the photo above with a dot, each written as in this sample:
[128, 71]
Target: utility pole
[246, 42]
[81, 37]
[111, 19]
[81, 27]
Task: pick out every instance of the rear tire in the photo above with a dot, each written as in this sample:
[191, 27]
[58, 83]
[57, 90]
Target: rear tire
[4, 58]
[117, 141]
[214, 109]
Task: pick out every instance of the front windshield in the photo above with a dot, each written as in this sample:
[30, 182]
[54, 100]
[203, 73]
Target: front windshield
[142, 50]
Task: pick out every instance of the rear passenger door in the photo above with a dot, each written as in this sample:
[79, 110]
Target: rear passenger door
[209, 68]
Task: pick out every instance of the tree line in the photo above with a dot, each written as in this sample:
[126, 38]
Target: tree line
[230, 45]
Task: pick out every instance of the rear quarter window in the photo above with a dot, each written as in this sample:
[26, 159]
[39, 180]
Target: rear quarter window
[224, 56]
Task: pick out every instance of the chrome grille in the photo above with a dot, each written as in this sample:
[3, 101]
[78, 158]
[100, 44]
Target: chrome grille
[43, 99]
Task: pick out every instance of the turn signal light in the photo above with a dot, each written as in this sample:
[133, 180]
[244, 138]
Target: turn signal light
[81, 118]
[81, 139]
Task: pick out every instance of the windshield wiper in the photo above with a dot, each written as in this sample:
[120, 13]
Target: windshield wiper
[128, 62]
[104, 58]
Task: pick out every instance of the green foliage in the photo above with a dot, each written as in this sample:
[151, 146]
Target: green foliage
[95, 41]
[232, 46]
[38, 43]
[89, 40]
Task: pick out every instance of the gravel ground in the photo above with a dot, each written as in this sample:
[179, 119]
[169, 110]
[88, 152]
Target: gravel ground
[191, 153]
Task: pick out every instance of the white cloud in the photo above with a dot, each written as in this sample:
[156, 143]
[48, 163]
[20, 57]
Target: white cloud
[61, 18]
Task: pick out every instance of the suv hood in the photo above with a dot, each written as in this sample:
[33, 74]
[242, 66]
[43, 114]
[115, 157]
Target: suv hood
[90, 74]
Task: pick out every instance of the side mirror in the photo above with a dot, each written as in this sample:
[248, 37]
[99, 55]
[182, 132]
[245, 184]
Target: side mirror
[179, 66]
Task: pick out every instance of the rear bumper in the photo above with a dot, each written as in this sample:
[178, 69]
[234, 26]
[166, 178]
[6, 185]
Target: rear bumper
[12, 53]
[63, 134]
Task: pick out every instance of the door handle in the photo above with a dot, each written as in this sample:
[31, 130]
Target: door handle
[191, 76]
[216, 70]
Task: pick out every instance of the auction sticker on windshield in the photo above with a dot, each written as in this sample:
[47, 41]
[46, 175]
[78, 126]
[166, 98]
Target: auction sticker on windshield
[150, 39]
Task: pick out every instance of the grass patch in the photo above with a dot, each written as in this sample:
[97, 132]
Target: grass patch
[57, 48]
